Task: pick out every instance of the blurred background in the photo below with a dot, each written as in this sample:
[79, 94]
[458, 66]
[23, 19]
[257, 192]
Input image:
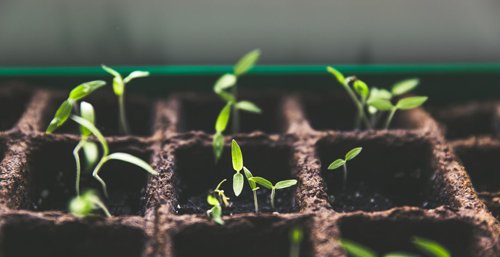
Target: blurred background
[126, 32]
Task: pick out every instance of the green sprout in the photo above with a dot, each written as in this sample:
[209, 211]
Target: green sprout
[125, 157]
[119, 84]
[431, 248]
[90, 150]
[216, 211]
[254, 188]
[343, 162]
[221, 195]
[370, 103]
[78, 93]
[279, 185]
[229, 81]
[237, 158]
[83, 205]
[296, 236]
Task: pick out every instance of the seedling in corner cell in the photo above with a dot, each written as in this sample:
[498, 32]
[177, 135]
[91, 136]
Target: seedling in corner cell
[279, 185]
[429, 247]
[216, 211]
[233, 104]
[83, 205]
[343, 162]
[296, 235]
[119, 84]
[125, 157]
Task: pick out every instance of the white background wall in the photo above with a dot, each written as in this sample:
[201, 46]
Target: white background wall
[70, 32]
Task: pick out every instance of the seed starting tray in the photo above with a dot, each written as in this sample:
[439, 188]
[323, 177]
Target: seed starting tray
[412, 175]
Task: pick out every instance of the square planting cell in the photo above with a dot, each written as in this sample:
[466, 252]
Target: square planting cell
[52, 176]
[386, 174]
[333, 112]
[23, 237]
[262, 237]
[471, 119]
[13, 104]
[196, 173]
[199, 113]
[139, 112]
[387, 235]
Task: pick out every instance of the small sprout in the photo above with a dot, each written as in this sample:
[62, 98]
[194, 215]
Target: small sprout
[119, 84]
[296, 236]
[216, 211]
[279, 185]
[404, 86]
[356, 250]
[83, 205]
[220, 193]
[237, 157]
[403, 104]
[233, 106]
[343, 162]
[433, 249]
[254, 188]
[78, 93]
[125, 157]
[430, 247]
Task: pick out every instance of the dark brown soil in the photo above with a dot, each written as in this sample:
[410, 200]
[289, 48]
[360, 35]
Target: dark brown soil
[406, 182]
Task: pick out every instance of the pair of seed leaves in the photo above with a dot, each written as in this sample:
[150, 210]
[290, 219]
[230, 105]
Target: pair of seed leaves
[430, 247]
[348, 156]
[238, 180]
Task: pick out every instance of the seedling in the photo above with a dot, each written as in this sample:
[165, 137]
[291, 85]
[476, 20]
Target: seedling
[296, 237]
[279, 185]
[371, 102]
[431, 248]
[229, 81]
[221, 195]
[119, 84]
[237, 158]
[125, 157]
[78, 93]
[254, 188]
[83, 205]
[343, 162]
[216, 211]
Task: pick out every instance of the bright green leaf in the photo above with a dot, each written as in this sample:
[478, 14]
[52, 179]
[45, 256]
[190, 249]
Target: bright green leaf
[356, 250]
[340, 77]
[111, 71]
[361, 89]
[263, 182]
[411, 102]
[86, 112]
[238, 183]
[224, 82]
[62, 115]
[285, 183]
[248, 106]
[85, 89]
[125, 157]
[431, 247]
[376, 93]
[248, 175]
[95, 132]
[223, 118]
[118, 86]
[80, 207]
[381, 104]
[217, 214]
[404, 86]
[218, 145]
[135, 75]
[336, 164]
[91, 153]
[246, 62]
[237, 156]
[353, 153]
[212, 200]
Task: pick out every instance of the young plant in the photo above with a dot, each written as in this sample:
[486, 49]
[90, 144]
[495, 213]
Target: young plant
[119, 84]
[343, 162]
[83, 205]
[216, 211]
[90, 150]
[254, 188]
[233, 104]
[431, 248]
[279, 185]
[221, 195]
[403, 104]
[125, 157]
[237, 158]
[78, 93]
[296, 236]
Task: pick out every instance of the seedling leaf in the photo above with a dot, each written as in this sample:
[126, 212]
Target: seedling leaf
[248, 175]
[353, 153]
[237, 156]
[336, 164]
[91, 153]
[285, 183]
[62, 115]
[262, 181]
[125, 157]
[238, 183]
[246, 62]
[111, 71]
[381, 104]
[340, 77]
[411, 102]
[248, 106]
[223, 118]
[356, 250]
[218, 145]
[94, 130]
[361, 89]
[212, 200]
[431, 247]
[405, 86]
[217, 214]
[135, 75]
[224, 82]
[87, 112]
[85, 89]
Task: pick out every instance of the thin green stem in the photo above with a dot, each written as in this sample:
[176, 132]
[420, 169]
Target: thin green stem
[236, 112]
[78, 165]
[273, 193]
[255, 201]
[389, 118]
[359, 106]
[344, 183]
[102, 207]
[95, 174]
[123, 117]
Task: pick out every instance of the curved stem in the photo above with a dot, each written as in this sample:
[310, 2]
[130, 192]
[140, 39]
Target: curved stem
[95, 174]
[345, 176]
[389, 118]
[102, 207]
[78, 165]
[123, 117]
